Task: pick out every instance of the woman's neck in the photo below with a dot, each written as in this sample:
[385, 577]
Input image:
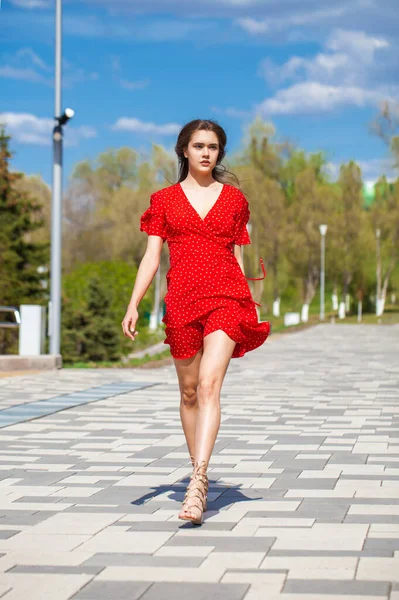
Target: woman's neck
[198, 180]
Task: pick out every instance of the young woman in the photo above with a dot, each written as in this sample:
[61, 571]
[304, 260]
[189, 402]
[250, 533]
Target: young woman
[210, 314]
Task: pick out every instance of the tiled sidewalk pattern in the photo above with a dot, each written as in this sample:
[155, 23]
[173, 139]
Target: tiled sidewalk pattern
[19, 413]
[304, 480]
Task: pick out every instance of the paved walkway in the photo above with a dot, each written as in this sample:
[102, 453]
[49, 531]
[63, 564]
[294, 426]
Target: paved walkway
[304, 480]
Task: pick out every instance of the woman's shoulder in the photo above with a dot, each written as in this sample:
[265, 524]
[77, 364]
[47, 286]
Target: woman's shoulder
[165, 191]
[237, 194]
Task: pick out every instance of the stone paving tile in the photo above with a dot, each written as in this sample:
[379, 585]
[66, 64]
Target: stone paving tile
[203, 591]
[304, 479]
[105, 590]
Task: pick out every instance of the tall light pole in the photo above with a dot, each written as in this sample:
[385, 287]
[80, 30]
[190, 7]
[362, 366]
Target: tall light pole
[56, 204]
[378, 272]
[323, 231]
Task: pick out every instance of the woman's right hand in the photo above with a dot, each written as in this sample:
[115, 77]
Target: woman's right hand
[129, 322]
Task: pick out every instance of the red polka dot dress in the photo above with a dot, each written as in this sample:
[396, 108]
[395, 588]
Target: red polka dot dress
[206, 288]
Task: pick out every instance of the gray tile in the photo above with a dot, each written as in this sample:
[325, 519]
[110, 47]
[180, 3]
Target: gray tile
[6, 534]
[334, 587]
[59, 569]
[196, 591]
[103, 559]
[115, 590]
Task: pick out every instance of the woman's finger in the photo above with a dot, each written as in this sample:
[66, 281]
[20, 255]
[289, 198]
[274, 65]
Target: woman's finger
[126, 328]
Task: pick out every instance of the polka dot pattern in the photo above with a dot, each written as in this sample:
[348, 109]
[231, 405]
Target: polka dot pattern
[206, 288]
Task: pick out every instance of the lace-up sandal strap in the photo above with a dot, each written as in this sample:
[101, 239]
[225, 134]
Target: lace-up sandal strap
[194, 491]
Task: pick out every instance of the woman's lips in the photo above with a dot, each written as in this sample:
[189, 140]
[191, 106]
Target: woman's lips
[205, 162]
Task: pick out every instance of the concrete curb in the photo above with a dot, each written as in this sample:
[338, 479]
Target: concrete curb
[15, 362]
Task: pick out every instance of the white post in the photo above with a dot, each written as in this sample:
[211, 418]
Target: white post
[32, 330]
[323, 231]
[378, 272]
[154, 317]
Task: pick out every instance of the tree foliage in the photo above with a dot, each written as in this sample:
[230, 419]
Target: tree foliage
[21, 253]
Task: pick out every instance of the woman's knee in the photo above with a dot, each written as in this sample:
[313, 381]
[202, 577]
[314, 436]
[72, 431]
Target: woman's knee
[189, 397]
[208, 389]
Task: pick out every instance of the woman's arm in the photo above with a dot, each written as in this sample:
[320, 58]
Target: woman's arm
[148, 267]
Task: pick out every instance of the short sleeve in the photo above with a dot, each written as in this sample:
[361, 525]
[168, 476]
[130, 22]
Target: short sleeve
[241, 235]
[153, 221]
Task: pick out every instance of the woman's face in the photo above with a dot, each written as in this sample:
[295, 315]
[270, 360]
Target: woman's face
[203, 151]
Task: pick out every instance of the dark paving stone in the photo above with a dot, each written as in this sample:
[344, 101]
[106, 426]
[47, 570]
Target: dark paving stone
[254, 493]
[22, 517]
[115, 590]
[348, 458]
[112, 559]
[56, 570]
[226, 544]
[340, 553]
[327, 586]
[6, 534]
[372, 519]
[196, 591]
[375, 544]
[299, 484]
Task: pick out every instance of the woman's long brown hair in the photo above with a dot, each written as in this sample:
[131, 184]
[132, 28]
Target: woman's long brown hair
[219, 173]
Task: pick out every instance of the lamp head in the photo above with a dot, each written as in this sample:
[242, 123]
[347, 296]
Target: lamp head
[323, 229]
[68, 114]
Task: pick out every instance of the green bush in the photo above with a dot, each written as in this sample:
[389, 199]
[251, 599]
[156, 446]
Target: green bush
[95, 297]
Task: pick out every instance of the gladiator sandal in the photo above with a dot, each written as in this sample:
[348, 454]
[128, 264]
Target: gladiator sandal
[195, 497]
[206, 485]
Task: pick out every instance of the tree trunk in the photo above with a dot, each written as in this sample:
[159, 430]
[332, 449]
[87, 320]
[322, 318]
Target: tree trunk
[383, 293]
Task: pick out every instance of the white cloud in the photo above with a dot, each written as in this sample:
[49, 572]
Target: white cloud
[372, 169]
[253, 26]
[350, 59]
[26, 65]
[30, 4]
[287, 19]
[136, 126]
[342, 75]
[356, 43]
[27, 128]
[312, 97]
[23, 74]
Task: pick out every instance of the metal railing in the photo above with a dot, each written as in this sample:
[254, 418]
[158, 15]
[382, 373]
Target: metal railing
[10, 324]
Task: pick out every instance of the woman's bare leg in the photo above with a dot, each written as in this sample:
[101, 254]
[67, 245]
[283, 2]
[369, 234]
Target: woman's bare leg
[188, 372]
[217, 351]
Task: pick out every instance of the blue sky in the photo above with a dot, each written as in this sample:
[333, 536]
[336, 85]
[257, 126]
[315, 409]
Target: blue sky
[135, 71]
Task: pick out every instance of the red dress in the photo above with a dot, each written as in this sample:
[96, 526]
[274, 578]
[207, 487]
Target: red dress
[206, 288]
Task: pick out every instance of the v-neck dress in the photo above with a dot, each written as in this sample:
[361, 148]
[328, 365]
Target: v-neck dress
[206, 288]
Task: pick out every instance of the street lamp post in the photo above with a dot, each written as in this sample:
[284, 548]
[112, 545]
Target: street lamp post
[323, 231]
[56, 203]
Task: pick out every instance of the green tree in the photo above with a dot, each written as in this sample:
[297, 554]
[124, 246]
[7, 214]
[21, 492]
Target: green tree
[101, 331]
[348, 234]
[90, 333]
[117, 277]
[311, 201]
[384, 215]
[20, 255]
